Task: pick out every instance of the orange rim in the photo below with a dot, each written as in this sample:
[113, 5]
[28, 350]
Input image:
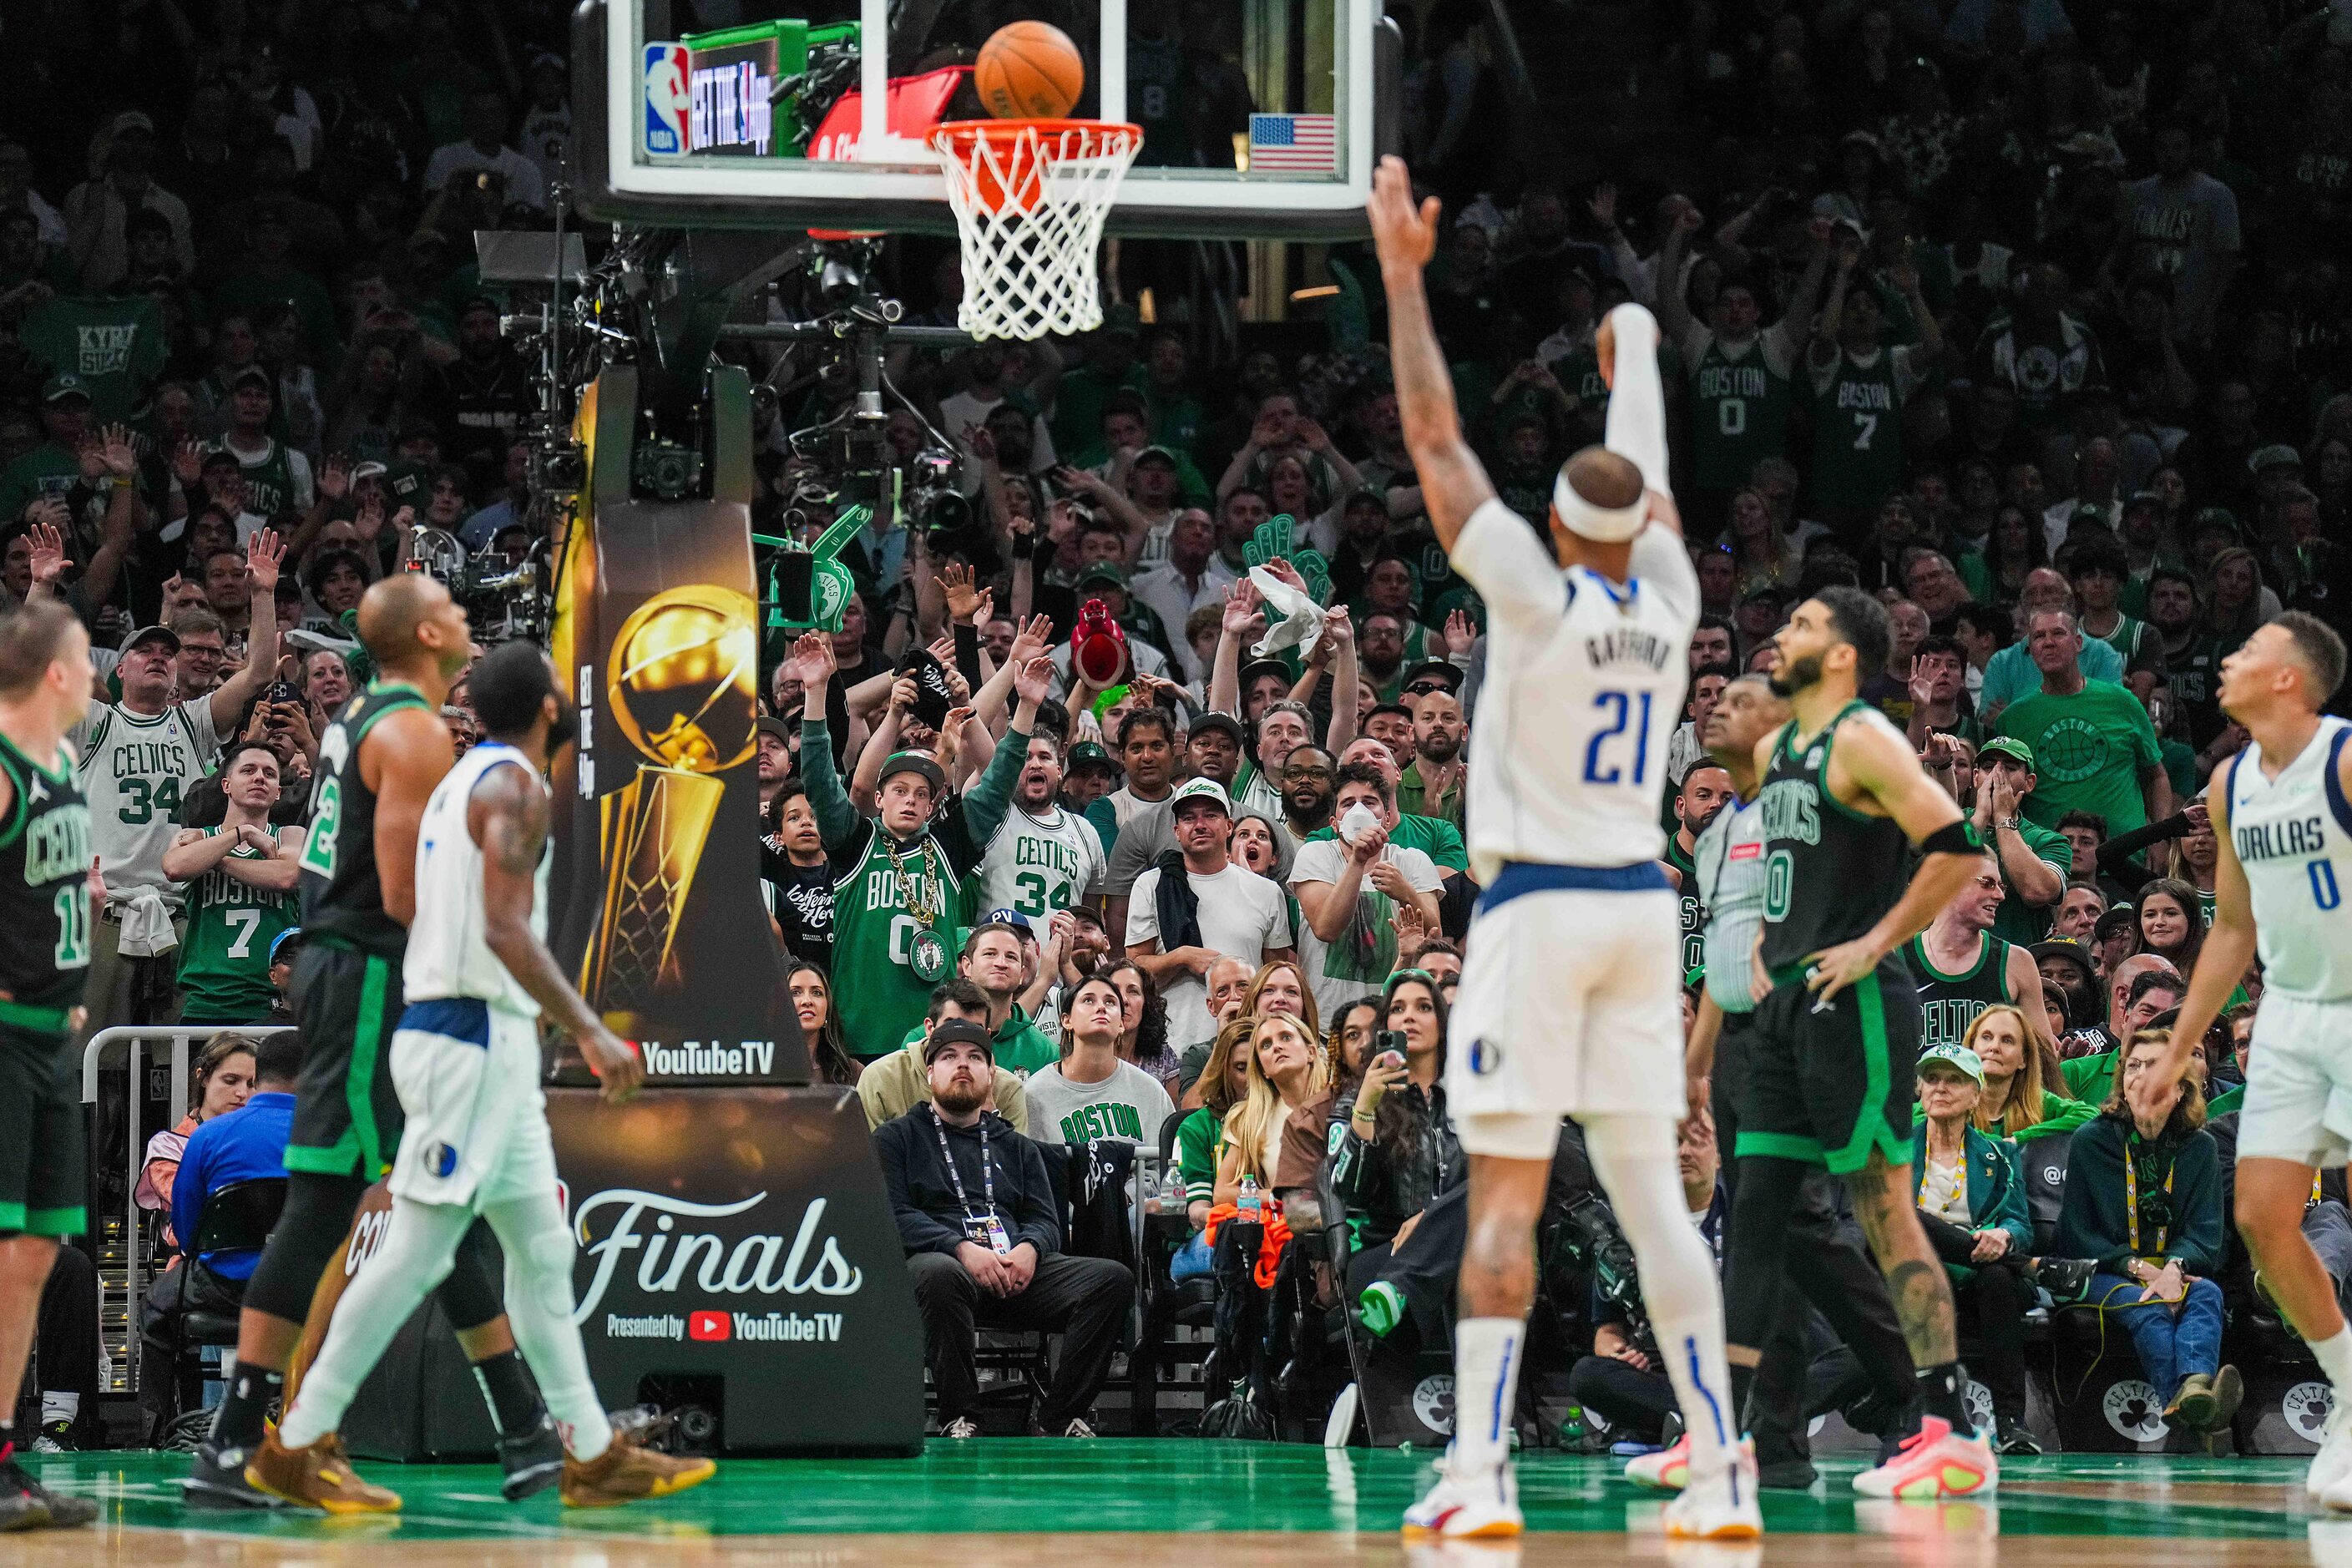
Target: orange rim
[1012, 178]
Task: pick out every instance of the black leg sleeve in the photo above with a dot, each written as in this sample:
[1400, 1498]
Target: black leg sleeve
[317, 1217]
[474, 1293]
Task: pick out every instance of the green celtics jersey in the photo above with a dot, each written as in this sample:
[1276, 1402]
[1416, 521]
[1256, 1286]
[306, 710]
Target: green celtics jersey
[1157, 86]
[1858, 428]
[1694, 912]
[224, 957]
[271, 477]
[1948, 1003]
[1040, 864]
[44, 885]
[897, 904]
[1740, 406]
[1830, 871]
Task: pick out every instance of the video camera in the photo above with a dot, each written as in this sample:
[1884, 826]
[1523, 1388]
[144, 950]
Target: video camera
[1590, 1241]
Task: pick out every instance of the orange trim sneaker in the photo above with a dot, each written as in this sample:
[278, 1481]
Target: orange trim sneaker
[625, 1472]
[1467, 1504]
[1668, 1469]
[1719, 1505]
[320, 1477]
[1934, 1462]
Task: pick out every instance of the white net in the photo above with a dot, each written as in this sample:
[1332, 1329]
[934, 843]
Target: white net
[1029, 198]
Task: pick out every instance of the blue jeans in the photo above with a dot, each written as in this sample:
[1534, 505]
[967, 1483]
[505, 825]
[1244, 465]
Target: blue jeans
[1193, 1260]
[2173, 1340]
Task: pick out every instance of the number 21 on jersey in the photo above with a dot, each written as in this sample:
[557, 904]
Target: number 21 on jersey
[1628, 716]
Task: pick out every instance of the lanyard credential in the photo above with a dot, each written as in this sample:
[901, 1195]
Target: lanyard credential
[987, 1229]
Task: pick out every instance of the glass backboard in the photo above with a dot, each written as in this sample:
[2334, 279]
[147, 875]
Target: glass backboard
[1262, 118]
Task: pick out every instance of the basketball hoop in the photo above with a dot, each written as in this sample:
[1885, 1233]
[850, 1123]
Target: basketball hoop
[1029, 197]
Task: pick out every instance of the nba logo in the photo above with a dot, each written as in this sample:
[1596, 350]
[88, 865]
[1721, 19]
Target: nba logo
[667, 101]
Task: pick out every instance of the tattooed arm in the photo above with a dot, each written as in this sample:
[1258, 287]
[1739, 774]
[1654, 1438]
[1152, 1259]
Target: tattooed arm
[507, 816]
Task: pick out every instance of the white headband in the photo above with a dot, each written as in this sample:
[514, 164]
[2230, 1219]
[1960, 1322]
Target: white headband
[1606, 524]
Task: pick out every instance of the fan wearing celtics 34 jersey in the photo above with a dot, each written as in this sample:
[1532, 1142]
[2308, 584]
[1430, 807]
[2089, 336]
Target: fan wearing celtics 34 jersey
[1043, 858]
[138, 757]
[2282, 811]
[241, 880]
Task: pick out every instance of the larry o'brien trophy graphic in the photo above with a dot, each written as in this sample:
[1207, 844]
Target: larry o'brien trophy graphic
[679, 687]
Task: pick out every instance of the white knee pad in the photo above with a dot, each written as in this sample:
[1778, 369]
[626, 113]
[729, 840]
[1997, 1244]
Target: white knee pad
[538, 1256]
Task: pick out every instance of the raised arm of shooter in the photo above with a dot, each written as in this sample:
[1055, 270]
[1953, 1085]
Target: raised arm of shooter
[1453, 482]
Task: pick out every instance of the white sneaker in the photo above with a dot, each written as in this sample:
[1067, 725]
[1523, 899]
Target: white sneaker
[1718, 1505]
[1467, 1503]
[2334, 1460]
[962, 1427]
[1668, 1469]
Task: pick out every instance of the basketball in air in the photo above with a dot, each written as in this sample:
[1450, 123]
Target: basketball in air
[1029, 71]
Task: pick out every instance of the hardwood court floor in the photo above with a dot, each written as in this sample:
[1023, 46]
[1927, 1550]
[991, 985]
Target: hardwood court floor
[1023, 1503]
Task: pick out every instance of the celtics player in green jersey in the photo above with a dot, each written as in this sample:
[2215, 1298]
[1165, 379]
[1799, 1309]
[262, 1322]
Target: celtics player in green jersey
[45, 907]
[1860, 387]
[241, 878]
[1158, 86]
[1962, 968]
[898, 876]
[1739, 375]
[1845, 802]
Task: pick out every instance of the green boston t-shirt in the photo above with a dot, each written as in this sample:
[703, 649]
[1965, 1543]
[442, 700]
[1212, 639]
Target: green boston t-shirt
[2088, 751]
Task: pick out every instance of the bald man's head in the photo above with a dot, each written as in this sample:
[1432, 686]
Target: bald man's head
[409, 619]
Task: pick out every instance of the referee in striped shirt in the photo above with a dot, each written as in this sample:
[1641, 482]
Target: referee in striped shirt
[1838, 1276]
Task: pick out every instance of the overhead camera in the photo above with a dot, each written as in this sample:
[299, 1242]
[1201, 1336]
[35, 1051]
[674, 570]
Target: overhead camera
[666, 469]
[934, 504]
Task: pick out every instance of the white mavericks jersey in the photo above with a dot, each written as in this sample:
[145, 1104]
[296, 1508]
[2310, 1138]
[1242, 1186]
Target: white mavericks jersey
[449, 954]
[1040, 864]
[1584, 687]
[2293, 835]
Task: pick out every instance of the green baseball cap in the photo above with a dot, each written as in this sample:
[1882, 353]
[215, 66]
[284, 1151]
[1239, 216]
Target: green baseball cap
[913, 762]
[1087, 754]
[1109, 571]
[1960, 1057]
[63, 384]
[2009, 746]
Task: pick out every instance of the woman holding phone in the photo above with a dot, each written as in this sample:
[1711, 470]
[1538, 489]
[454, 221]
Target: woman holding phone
[1399, 1150]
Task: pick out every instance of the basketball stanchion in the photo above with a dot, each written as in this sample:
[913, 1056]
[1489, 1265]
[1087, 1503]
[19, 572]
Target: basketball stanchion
[1029, 197]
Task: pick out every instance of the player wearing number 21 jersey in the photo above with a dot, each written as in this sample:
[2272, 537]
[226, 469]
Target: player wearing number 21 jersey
[1043, 858]
[1570, 995]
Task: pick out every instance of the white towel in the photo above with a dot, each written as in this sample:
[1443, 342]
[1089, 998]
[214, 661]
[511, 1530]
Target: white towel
[146, 926]
[1292, 618]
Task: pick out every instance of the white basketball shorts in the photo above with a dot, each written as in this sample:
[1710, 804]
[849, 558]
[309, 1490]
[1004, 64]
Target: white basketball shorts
[1569, 1005]
[2298, 1102]
[467, 1076]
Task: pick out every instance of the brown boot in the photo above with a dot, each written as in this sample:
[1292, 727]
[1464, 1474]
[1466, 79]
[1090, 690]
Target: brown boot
[625, 1472]
[320, 1476]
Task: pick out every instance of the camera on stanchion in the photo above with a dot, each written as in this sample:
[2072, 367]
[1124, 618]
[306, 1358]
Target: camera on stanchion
[1590, 1241]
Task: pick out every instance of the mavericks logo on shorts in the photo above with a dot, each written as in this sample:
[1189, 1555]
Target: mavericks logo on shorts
[442, 1159]
[1485, 1056]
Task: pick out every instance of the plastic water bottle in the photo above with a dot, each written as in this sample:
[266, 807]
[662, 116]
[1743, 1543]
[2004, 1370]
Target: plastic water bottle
[1172, 1193]
[1249, 1209]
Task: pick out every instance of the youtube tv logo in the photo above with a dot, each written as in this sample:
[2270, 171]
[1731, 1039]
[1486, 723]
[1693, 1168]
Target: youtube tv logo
[708, 1326]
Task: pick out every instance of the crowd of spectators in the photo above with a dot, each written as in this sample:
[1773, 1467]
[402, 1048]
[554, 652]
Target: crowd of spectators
[1116, 808]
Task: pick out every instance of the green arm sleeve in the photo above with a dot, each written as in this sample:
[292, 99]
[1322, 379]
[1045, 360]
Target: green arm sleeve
[987, 801]
[837, 822]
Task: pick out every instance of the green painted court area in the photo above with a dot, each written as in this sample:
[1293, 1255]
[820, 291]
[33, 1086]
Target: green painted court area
[1047, 1487]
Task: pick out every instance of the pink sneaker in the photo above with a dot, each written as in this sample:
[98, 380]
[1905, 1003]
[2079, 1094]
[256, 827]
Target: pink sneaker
[1934, 1463]
[1668, 1469]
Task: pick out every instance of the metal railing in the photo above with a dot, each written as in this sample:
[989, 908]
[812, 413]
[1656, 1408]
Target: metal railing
[121, 1289]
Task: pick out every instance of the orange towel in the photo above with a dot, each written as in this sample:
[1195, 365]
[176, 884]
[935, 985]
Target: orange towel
[1277, 1237]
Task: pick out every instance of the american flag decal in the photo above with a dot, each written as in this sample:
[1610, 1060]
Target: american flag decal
[1306, 144]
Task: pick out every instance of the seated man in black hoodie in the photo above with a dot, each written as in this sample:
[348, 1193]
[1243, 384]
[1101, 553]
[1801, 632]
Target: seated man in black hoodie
[981, 1221]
